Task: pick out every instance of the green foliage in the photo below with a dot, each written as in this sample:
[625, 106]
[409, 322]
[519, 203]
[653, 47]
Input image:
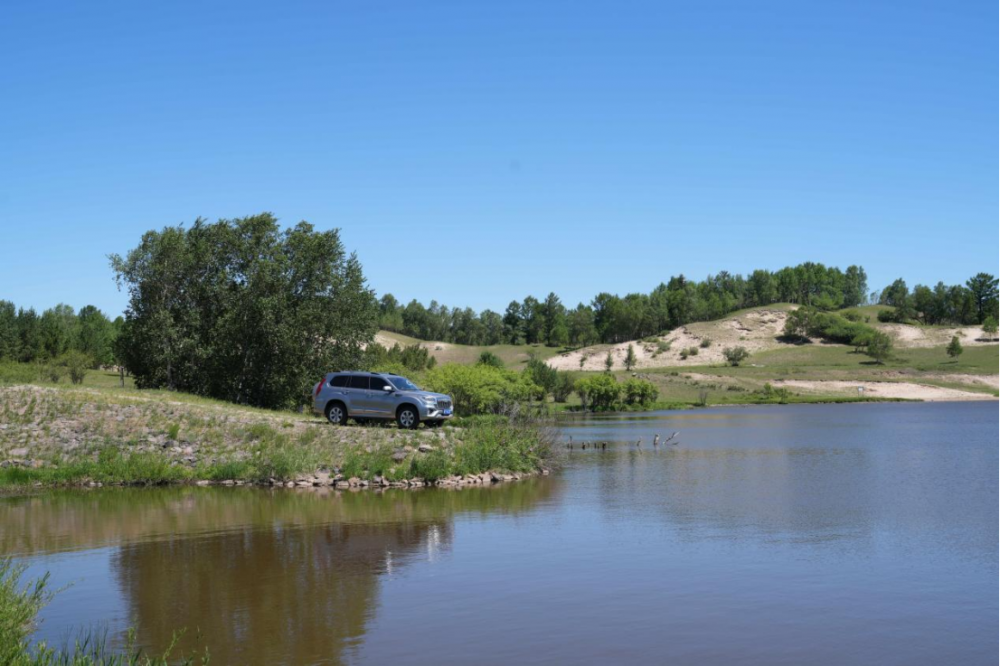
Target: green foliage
[542, 374]
[706, 343]
[599, 392]
[490, 359]
[397, 359]
[990, 327]
[604, 393]
[609, 362]
[19, 604]
[830, 326]
[879, 346]
[630, 359]
[639, 392]
[954, 347]
[772, 394]
[76, 363]
[242, 311]
[735, 355]
[482, 389]
[563, 388]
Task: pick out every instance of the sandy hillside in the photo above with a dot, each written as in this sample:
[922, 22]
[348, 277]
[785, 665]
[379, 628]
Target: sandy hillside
[756, 330]
[934, 336]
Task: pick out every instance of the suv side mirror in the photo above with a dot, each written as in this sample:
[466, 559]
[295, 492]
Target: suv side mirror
[387, 389]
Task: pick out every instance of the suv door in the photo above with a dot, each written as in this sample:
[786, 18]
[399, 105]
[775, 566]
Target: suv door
[358, 395]
[383, 403]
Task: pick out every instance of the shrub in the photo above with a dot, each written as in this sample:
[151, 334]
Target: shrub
[706, 343]
[482, 389]
[54, 372]
[990, 327]
[599, 393]
[954, 348]
[692, 351]
[77, 364]
[735, 355]
[490, 359]
[630, 359]
[879, 347]
[771, 394]
[542, 374]
[639, 392]
[563, 387]
[684, 354]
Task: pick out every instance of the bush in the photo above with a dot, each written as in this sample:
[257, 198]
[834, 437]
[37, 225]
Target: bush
[482, 389]
[542, 374]
[954, 348]
[599, 393]
[54, 372]
[692, 351]
[771, 394]
[808, 322]
[639, 392]
[77, 364]
[603, 393]
[990, 327]
[735, 355]
[706, 343]
[879, 347]
[564, 387]
[490, 359]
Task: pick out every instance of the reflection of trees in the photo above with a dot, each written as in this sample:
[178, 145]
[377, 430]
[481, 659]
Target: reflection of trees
[263, 576]
[294, 596]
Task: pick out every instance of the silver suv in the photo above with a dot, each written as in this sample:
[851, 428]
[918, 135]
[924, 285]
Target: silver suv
[367, 396]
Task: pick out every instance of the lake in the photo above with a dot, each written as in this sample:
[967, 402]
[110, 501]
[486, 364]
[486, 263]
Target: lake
[796, 534]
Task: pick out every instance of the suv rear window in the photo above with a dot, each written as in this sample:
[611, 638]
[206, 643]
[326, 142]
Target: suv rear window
[359, 382]
[339, 380]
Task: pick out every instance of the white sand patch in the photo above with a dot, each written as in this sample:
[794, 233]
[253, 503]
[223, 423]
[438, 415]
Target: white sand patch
[756, 331]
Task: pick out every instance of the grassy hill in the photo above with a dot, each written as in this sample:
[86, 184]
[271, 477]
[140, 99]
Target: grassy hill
[515, 356]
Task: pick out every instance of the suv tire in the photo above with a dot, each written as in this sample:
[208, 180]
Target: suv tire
[336, 413]
[407, 418]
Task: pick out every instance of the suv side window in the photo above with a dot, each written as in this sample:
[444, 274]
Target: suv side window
[359, 382]
[378, 383]
[340, 380]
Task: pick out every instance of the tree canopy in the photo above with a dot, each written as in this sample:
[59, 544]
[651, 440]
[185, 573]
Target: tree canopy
[242, 311]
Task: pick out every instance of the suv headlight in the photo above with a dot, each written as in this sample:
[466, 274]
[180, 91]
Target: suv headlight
[430, 400]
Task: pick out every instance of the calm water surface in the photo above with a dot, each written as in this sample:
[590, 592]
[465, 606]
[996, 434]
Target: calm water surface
[800, 534]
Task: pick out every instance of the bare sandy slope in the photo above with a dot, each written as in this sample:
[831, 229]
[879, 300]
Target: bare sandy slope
[934, 336]
[756, 330]
[904, 390]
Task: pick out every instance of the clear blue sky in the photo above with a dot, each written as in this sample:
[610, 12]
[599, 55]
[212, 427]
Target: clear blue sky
[477, 152]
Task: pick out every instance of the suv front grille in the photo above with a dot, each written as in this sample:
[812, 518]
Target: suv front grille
[444, 403]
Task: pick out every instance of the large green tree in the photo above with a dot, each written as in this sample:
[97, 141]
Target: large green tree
[984, 294]
[241, 310]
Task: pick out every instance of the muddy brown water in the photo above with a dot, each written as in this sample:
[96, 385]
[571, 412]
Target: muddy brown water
[803, 534]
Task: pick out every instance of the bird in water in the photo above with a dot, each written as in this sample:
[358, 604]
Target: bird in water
[672, 439]
[638, 443]
[656, 440]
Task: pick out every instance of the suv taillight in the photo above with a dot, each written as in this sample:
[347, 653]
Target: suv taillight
[319, 387]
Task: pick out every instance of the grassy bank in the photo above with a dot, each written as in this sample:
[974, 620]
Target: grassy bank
[69, 435]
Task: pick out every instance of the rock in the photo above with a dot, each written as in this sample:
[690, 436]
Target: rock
[353, 481]
[342, 485]
[229, 482]
[19, 452]
[203, 482]
[425, 448]
[399, 456]
[290, 484]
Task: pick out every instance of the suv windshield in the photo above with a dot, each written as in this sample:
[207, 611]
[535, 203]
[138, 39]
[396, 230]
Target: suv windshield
[403, 384]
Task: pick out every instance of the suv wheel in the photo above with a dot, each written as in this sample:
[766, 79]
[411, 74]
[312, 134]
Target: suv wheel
[336, 413]
[407, 417]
